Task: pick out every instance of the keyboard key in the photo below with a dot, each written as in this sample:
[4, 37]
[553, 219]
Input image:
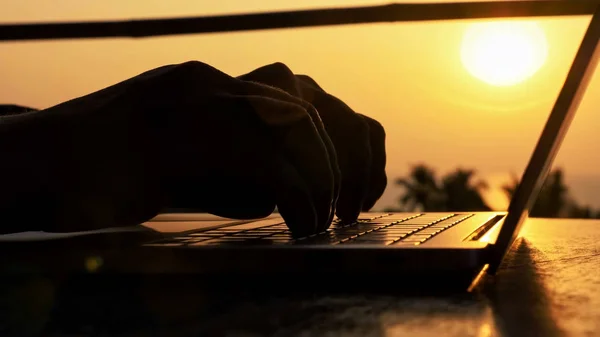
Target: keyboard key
[404, 243]
[249, 235]
[440, 226]
[227, 237]
[268, 230]
[368, 242]
[385, 236]
[401, 217]
[242, 243]
[321, 239]
[206, 234]
[415, 240]
[372, 215]
[429, 231]
[349, 232]
[344, 236]
[384, 232]
[280, 235]
[395, 231]
[223, 231]
[418, 235]
[282, 226]
[255, 224]
[367, 227]
[192, 240]
[401, 227]
[232, 239]
[275, 240]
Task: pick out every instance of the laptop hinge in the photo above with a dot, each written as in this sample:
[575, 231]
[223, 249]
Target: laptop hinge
[482, 230]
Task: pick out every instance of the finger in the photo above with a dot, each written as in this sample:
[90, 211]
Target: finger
[307, 152]
[263, 90]
[309, 81]
[294, 199]
[378, 178]
[333, 163]
[276, 75]
[349, 135]
[355, 166]
[301, 145]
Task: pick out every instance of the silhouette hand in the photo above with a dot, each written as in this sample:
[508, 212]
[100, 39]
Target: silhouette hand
[359, 141]
[183, 135]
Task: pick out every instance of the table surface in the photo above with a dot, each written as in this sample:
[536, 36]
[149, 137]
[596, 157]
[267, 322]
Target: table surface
[548, 286]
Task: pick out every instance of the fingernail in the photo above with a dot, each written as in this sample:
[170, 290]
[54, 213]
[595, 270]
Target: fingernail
[298, 213]
[348, 208]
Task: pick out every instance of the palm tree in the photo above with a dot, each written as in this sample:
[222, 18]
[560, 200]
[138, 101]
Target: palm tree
[457, 192]
[580, 212]
[462, 194]
[553, 199]
[421, 190]
[553, 202]
[510, 188]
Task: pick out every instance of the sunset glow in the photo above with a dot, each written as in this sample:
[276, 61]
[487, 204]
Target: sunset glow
[504, 53]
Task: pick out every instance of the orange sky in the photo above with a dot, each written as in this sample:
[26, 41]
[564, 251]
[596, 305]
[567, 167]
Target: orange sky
[408, 76]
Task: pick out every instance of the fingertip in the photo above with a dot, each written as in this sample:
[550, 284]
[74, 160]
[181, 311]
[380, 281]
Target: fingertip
[378, 178]
[299, 215]
[349, 206]
[294, 200]
[307, 152]
[347, 214]
[375, 192]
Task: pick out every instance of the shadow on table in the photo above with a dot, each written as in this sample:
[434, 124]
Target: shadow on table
[518, 296]
[514, 303]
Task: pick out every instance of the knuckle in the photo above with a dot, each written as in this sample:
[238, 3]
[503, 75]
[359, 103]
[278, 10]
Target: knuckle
[198, 72]
[377, 128]
[360, 127]
[276, 75]
[191, 65]
[280, 68]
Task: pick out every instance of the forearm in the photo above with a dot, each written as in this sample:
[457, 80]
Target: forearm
[13, 109]
[26, 170]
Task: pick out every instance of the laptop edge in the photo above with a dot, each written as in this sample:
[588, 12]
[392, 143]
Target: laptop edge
[564, 109]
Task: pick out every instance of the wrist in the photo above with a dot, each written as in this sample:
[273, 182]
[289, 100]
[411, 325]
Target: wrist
[26, 172]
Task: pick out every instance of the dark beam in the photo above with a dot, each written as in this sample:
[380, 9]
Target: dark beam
[292, 19]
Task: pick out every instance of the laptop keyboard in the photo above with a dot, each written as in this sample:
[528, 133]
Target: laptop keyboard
[385, 229]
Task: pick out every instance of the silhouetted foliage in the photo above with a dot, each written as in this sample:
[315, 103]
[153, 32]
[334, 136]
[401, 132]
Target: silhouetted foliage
[422, 190]
[461, 191]
[456, 191]
[553, 200]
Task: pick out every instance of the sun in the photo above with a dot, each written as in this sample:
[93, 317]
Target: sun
[504, 53]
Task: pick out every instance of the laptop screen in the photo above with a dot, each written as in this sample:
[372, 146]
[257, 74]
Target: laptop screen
[556, 127]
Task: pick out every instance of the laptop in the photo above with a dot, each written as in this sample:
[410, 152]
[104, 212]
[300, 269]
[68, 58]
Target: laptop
[447, 244]
[401, 242]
